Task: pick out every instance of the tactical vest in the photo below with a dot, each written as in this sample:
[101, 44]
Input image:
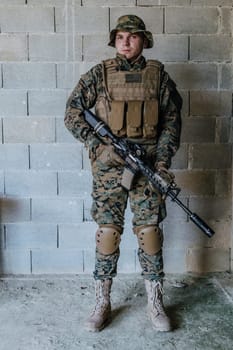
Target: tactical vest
[130, 103]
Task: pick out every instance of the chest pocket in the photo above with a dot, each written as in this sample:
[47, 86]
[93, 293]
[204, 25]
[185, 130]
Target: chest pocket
[133, 100]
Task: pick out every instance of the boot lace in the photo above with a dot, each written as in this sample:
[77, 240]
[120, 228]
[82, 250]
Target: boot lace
[157, 294]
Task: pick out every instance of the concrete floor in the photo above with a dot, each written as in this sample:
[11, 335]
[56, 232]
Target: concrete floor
[47, 313]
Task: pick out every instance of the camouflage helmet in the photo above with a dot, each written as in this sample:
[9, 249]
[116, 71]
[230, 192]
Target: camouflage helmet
[132, 24]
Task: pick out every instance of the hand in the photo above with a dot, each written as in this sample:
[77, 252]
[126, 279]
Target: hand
[105, 154]
[163, 171]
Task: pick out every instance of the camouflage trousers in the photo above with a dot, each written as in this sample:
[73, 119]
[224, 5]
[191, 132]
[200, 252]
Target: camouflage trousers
[109, 204]
[151, 265]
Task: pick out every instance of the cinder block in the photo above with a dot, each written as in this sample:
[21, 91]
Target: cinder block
[62, 133]
[194, 76]
[227, 76]
[224, 130]
[55, 47]
[14, 156]
[13, 47]
[46, 261]
[57, 210]
[196, 182]
[138, 268]
[211, 48]
[86, 160]
[162, 2]
[208, 260]
[180, 160]
[96, 48]
[15, 210]
[175, 214]
[127, 261]
[74, 183]
[169, 48]
[68, 75]
[215, 103]
[2, 238]
[222, 237]
[108, 3]
[1, 183]
[227, 18]
[211, 156]
[174, 260]
[81, 236]
[29, 76]
[30, 235]
[191, 20]
[87, 207]
[217, 208]
[28, 130]
[18, 108]
[128, 238]
[198, 130]
[153, 17]
[15, 261]
[30, 183]
[13, 2]
[56, 156]
[185, 107]
[27, 19]
[212, 2]
[128, 214]
[88, 261]
[51, 2]
[50, 102]
[183, 235]
[1, 77]
[223, 184]
[80, 20]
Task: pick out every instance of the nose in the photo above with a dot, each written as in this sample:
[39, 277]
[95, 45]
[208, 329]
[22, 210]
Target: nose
[126, 41]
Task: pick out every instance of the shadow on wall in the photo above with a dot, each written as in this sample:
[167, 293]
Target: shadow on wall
[11, 210]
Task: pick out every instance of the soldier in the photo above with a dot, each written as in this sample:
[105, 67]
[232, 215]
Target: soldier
[139, 101]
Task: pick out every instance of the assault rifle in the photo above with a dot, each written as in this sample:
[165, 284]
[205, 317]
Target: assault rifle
[133, 155]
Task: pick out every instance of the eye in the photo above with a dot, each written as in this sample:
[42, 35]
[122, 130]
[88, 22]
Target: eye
[134, 36]
[119, 37]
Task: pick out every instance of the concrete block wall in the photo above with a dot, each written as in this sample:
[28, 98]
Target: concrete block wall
[45, 178]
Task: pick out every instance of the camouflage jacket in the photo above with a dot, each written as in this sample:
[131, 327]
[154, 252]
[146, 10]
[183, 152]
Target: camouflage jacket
[90, 85]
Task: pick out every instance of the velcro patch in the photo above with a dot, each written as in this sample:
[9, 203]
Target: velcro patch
[133, 78]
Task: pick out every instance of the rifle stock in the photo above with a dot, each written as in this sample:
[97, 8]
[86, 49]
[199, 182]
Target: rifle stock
[133, 157]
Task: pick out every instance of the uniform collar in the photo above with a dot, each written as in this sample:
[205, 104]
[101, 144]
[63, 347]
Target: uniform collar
[138, 64]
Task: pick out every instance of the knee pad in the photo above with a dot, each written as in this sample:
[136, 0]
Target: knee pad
[150, 239]
[108, 239]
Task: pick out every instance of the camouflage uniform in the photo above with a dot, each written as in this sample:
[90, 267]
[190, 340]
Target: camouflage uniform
[109, 198]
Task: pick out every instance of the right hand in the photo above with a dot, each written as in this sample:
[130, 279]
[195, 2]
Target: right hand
[105, 154]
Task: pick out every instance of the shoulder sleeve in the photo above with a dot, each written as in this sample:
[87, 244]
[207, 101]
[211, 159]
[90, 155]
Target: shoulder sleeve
[85, 93]
[175, 96]
[83, 97]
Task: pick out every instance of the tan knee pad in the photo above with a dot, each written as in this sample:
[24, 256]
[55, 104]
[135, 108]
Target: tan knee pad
[150, 239]
[108, 239]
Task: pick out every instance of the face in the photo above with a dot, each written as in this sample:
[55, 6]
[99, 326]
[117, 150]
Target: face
[129, 45]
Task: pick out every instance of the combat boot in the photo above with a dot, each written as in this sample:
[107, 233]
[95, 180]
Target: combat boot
[156, 311]
[101, 314]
